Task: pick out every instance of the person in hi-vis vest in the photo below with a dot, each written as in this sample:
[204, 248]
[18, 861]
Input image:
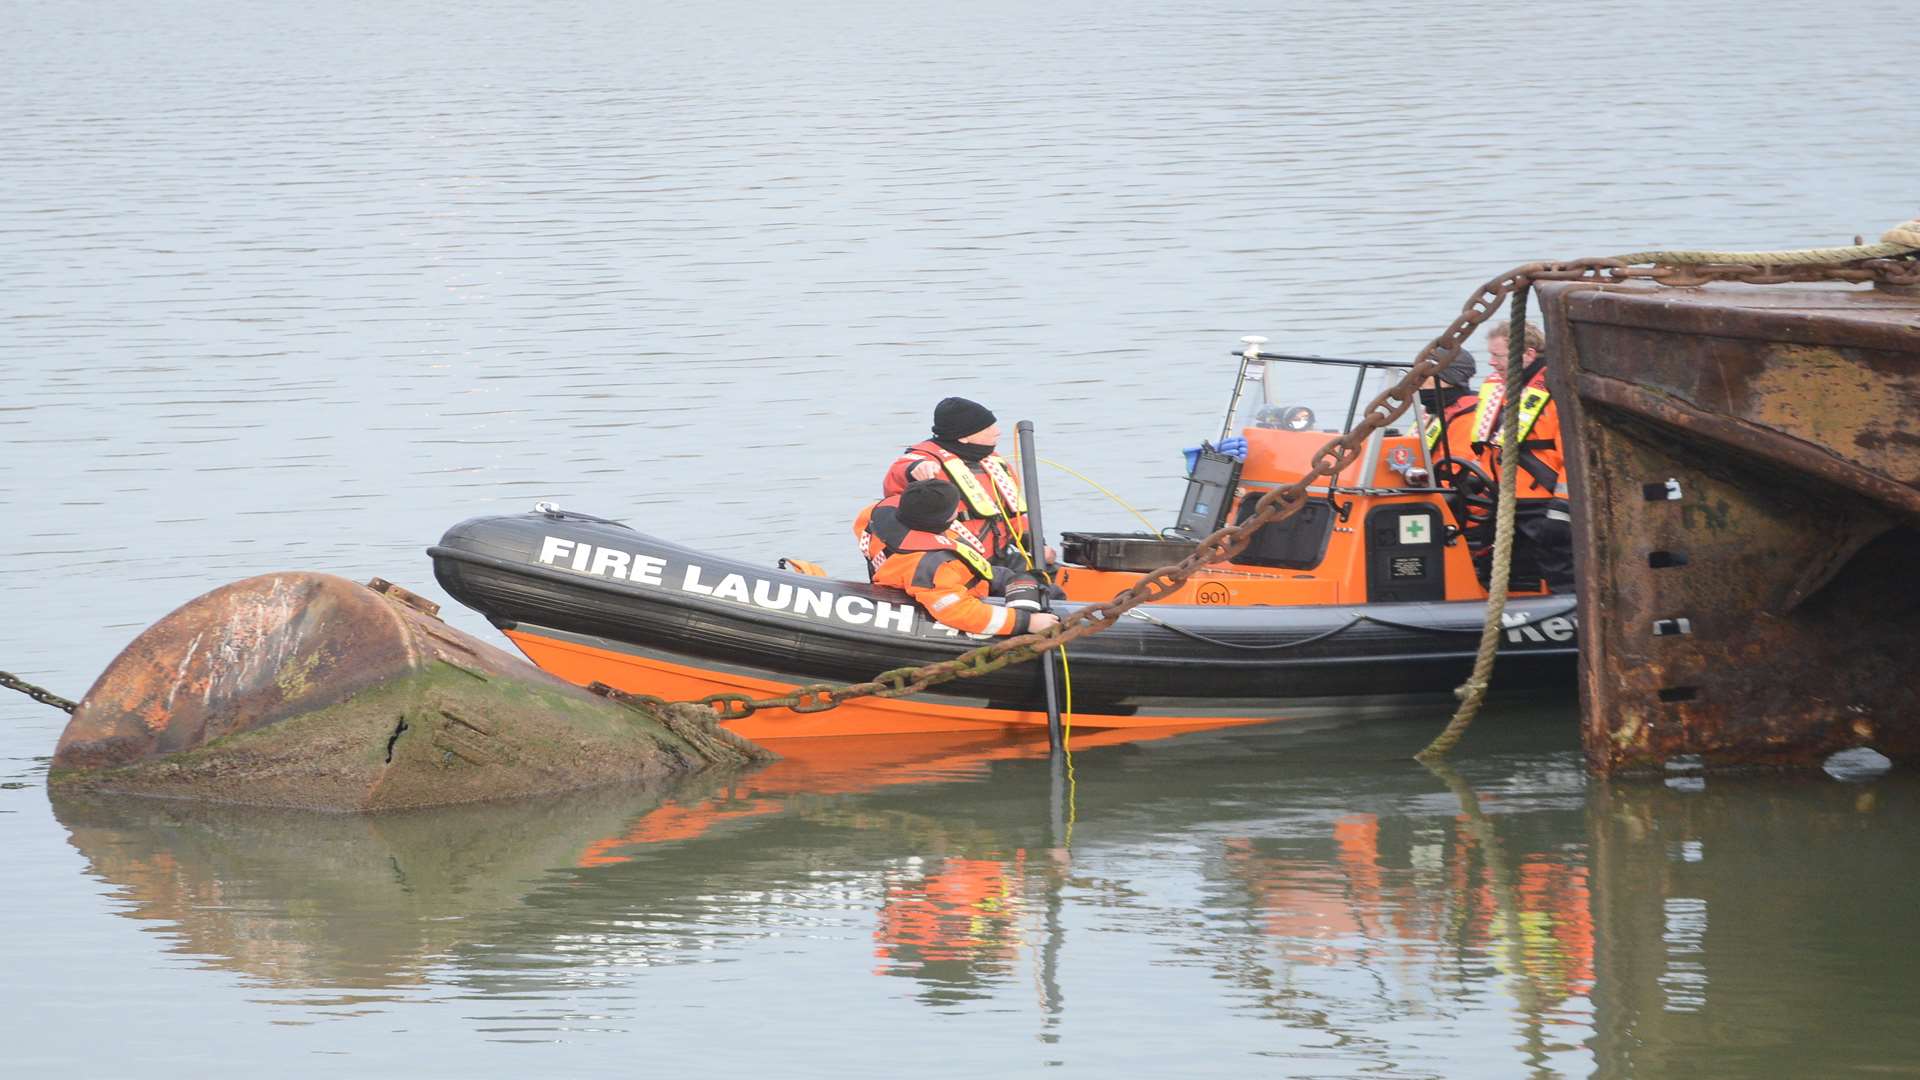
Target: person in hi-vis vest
[993, 507]
[1449, 402]
[1543, 526]
[909, 544]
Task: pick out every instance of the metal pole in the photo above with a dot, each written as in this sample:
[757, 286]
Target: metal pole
[1247, 357]
[1037, 537]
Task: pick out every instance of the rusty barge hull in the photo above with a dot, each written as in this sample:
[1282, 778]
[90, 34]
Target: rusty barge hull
[1746, 470]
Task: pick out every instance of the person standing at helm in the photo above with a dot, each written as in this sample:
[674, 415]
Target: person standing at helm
[993, 514]
[1543, 526]
[910, 544]
[1449, 403]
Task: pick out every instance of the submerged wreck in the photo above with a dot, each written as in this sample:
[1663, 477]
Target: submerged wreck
[1747, 518]
[310, 691]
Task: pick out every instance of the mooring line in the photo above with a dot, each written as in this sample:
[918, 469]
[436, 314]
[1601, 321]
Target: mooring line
[38, 693]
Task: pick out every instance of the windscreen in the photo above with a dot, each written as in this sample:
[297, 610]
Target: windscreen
[1313, 397]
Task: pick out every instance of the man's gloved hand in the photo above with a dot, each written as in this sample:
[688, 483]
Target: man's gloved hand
[1234, 447]
[1023, 592]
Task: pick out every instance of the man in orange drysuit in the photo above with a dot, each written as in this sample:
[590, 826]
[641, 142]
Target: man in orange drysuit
[1543, 524]
[910, 544]
[1449, 403]
[993, 518]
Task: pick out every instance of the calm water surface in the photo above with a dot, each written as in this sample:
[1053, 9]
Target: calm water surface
[298, 286]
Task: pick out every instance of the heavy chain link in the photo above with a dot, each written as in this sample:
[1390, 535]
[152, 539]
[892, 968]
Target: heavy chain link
[37, 693]
[1328, 462]
[1276, 505]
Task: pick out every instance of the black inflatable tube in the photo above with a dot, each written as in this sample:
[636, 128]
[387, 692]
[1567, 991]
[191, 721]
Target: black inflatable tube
[696, 609]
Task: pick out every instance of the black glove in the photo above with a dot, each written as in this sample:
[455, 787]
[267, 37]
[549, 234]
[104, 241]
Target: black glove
[1023, 592]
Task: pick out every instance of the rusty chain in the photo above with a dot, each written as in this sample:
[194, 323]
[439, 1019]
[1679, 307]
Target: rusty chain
[1282, 502]
[1328, 462]
[38, 693]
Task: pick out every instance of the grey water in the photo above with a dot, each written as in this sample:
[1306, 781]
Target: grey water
[296, 286]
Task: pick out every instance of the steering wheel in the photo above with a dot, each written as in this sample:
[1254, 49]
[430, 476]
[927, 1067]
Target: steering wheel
[1472, 493]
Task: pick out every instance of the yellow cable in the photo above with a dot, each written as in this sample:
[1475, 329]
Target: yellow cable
[1066, 673]
[1066, 746]
[1102, 490]
[1006, 515]
[1066, 732]
[1066, 713]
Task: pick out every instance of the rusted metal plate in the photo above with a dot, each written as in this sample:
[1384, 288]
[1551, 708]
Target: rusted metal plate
[1747, 489]
[251, 654]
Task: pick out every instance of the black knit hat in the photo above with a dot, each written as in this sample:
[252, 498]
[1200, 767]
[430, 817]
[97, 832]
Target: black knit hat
[957, 418]
[928, 505]
[1460, 371]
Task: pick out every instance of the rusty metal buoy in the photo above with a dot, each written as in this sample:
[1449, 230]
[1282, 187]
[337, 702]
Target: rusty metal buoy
[308, 690]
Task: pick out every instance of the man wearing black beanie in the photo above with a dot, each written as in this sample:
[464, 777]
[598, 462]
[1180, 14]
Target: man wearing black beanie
[957, 418]
[1449, 402]
[910, 544]
[993, 512]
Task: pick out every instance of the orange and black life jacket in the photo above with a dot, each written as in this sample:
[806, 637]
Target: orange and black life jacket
[1450, 434]
[882, 535]
[994, 508]
[1538, 440]
[943, 574]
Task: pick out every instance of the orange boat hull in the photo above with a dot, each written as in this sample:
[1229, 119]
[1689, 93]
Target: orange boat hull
[585, 664]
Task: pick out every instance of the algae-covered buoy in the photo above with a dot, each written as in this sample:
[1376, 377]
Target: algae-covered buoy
[308, 690]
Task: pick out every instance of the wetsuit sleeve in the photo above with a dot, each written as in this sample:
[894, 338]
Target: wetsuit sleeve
[896, 480]
[944, 586]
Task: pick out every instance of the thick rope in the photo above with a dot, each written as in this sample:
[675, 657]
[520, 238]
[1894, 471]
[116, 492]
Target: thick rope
[1899, 240]
[694, 725]
[1501, 880]
[1474, 691]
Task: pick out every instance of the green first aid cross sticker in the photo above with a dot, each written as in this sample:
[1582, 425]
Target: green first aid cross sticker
[1414, 529]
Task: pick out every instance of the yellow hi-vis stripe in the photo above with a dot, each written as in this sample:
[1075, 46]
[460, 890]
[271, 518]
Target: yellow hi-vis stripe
[978, 497]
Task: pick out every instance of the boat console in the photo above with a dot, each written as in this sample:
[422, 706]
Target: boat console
[1381, 531]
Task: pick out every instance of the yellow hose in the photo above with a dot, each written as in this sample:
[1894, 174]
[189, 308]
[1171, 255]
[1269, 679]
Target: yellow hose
[1066, 673]
[1066, 746]
[1102, 490]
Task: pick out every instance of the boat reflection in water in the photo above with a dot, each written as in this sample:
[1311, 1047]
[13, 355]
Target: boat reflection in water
[1304, 891]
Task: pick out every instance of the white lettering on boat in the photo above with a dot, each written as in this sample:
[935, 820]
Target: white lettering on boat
[1556, 628]
[813, 602]
[691, 583]
[735, 588]
[894, 613]
[607, 562]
